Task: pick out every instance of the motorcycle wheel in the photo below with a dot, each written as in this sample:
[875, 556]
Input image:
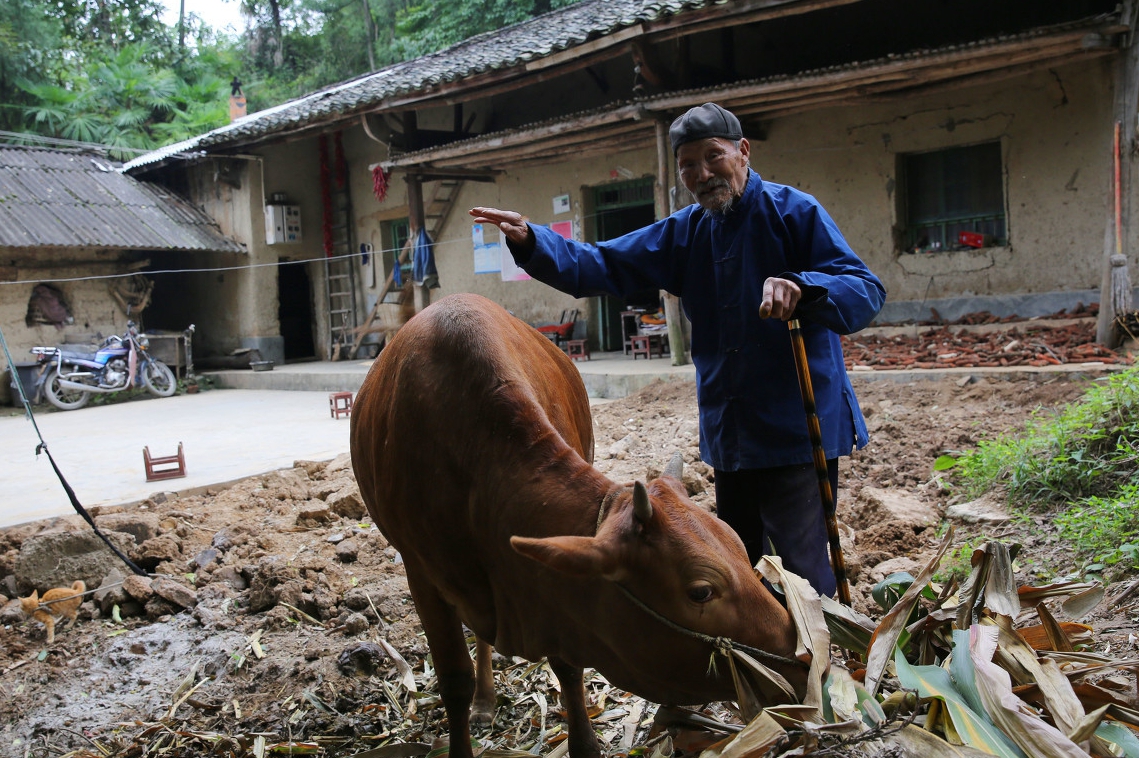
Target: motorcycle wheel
[64, 398]
[159, 379]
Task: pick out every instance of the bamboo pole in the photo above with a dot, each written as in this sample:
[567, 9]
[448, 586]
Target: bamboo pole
[814, 430]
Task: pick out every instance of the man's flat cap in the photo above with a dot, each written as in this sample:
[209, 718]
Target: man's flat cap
[701, 122]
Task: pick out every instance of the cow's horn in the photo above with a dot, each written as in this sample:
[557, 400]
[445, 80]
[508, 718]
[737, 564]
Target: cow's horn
[642, 508]
[675, 467]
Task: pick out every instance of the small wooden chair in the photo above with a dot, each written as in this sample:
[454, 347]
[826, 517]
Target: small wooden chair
[340, 404]
[578, 350]
[164, 467]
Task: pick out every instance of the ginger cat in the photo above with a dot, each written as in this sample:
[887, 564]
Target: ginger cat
[61, 602]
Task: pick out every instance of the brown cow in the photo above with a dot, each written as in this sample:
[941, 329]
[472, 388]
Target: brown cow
[472, 443]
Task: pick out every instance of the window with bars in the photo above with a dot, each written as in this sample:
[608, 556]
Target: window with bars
[953, 199]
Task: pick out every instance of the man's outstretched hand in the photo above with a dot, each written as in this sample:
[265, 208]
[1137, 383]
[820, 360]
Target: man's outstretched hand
[512, 224]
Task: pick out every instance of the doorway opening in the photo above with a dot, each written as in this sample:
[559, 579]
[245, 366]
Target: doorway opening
[618, 209]
[294, 311]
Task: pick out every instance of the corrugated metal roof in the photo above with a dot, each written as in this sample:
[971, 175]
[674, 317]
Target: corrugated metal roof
[53, 198]
[528, 41]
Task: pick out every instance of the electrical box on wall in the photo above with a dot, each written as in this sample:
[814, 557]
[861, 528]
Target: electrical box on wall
[282, 224]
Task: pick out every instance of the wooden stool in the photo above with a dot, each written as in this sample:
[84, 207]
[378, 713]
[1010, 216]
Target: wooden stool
[577, 350]
[174, 466]
[640, 345]
[340, 404]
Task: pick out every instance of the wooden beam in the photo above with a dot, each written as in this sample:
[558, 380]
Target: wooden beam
[538, 154]
[518, 137]
[431, 174]
[606, 147]
[673, 316]
[435, 173]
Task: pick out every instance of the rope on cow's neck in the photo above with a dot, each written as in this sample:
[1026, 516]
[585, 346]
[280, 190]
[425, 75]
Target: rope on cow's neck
[607, 501]
[723, 645]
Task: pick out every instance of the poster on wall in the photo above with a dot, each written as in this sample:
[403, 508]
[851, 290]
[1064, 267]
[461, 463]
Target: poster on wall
[487, 254]
[564, 228]
[511, 271]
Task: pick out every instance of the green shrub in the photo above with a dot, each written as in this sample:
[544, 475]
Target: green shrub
[1081, 465]
[1105, 528]
[1089, 449]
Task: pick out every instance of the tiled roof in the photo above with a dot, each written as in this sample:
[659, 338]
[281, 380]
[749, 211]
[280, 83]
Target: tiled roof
[52, 198]
[518, 44]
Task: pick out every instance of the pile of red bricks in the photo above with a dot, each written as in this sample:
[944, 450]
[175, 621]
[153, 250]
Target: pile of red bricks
[1023, 345]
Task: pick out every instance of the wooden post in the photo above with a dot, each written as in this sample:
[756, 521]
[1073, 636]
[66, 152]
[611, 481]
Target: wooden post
[673, 315]
[419, 295]
[1124, 111]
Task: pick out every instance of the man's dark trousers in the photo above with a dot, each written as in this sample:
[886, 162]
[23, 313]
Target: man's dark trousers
[781, 507]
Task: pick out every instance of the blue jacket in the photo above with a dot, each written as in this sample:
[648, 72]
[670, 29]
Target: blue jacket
[751, 409]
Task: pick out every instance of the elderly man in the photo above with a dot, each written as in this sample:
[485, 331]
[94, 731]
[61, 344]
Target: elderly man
[750, 255]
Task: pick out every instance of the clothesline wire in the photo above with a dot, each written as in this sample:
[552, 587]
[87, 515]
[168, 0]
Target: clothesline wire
[244, 267]
[210, 269]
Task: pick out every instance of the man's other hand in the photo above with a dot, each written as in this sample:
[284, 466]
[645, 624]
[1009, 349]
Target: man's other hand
[780, 296]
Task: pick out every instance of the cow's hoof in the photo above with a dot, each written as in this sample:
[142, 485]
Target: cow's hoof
[482, 713]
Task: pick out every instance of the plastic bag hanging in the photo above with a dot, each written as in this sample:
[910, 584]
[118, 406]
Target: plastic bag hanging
[423, 270]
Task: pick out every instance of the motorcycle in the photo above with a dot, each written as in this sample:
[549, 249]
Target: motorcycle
[70, 377]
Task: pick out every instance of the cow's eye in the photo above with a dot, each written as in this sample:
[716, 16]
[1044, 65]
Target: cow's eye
[700, 593]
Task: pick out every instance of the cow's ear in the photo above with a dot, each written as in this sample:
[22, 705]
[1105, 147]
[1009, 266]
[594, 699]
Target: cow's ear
[576, 556]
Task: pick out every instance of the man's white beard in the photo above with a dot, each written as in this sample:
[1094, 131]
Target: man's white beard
[710, 202]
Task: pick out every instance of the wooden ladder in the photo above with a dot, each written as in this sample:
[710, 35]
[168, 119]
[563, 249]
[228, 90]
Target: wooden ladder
[439, 207]
[435, 213]
[340, 275]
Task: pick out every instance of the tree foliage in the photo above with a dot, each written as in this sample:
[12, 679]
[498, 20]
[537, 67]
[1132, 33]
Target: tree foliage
[111, 72]
[29, 37]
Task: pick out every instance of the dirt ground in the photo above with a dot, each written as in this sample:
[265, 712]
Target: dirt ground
[299, 609]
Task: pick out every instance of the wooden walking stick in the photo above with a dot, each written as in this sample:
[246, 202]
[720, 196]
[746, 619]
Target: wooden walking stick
[803, 369]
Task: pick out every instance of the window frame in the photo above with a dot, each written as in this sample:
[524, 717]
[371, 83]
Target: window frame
[982, 214]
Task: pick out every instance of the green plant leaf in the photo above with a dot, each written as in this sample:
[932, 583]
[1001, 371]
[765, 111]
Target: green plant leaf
[944, 462]
[887, 592]
[975, 730]
[1120, 736]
